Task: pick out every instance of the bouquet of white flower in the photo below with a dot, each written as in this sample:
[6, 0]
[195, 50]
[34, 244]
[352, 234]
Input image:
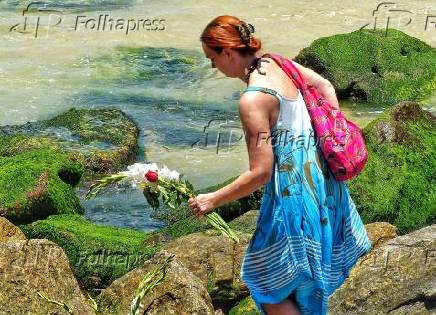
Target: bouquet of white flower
[160, 183]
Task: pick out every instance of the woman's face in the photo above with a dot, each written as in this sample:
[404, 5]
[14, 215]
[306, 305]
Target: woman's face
[224, 61]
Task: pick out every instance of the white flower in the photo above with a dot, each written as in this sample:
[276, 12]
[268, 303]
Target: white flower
[135, 172]
[167, 173]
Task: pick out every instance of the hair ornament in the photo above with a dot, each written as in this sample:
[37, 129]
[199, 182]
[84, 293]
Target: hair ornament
[245, 29]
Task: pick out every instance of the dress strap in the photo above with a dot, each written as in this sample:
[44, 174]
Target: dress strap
[264, 90]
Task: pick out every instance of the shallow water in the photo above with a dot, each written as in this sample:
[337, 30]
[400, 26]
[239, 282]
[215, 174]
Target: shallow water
[161, 78]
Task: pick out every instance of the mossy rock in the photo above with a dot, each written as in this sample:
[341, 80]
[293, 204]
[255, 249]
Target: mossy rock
[111, 137]
[98, 252]
[245, 307]
[37, 182]
[183, 227]
[369, 66]
[104, 140]
[397, 184]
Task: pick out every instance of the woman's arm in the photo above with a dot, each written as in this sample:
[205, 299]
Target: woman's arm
[254, 115]
[324, 87]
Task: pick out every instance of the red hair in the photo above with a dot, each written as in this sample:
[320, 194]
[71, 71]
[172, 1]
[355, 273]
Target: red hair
[222, 32]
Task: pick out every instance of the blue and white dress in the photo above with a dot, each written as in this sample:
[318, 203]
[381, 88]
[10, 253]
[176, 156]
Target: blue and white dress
[308, 232]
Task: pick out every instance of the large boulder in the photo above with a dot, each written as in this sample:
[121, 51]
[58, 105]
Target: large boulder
[397, 183]
[31, 266]
[104, 140]
[216, 260]
[98, 254]
[37, 183]
[396, 278]
[9, 232]
[41, 162]
[106, 137]
[180, 292]
[367, 65]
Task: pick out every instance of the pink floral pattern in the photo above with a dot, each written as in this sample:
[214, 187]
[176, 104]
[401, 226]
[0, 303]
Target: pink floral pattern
[341, 141]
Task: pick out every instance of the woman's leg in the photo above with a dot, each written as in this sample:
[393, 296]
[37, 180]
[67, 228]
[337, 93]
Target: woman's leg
[287, 307]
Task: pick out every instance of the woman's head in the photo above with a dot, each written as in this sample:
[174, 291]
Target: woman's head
[229, 43]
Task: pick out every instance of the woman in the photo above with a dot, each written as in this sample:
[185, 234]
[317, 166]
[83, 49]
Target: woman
[308, 234]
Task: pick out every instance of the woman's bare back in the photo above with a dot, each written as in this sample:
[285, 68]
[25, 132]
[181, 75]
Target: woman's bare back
[271, 76]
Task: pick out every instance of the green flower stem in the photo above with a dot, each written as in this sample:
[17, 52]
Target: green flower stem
[96, 188]
[149, 282]
[183, 189]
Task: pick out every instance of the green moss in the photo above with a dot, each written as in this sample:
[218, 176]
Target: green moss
[104, 140]
[245, 307]
[111, 133]
[94, 250]
[37, 182]
[184, 227]
[14, 144]
[390, 68]
[211, 282]
[108, 305]
[107, 125]
[397, 184]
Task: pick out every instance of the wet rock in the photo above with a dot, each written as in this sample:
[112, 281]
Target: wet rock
[38, 265]
[216, 261]
[396, 278]
[396, 184]
[391, 68]
[31, 187]
[180, 292]
[98, 254]
[41, 162]
[104, 140]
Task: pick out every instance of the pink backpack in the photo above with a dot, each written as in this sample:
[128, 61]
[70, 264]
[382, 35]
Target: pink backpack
[340, 140]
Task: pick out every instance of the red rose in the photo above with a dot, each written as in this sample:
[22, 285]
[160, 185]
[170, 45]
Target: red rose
[151, 176]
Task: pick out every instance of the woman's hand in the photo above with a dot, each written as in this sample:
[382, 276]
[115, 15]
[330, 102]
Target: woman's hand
[202, 204]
